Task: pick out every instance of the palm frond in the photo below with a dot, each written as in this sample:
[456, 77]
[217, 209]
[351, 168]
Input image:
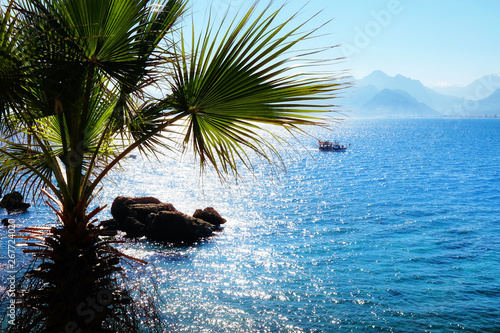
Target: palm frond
[149, 56]
[12, 78]
[24, 166]
[243, 78]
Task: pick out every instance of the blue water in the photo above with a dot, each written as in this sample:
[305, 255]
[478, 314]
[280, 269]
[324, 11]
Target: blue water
[400, 233]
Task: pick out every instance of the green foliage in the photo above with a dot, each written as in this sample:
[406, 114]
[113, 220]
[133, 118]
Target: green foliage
[84, 61]
[74, 79]
[81, 103]
[237, 80]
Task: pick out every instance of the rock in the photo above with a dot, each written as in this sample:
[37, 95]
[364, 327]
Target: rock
[142, 211]
[148, 216]
[108, 224]
[209, 215]
[13, 202]
[120, 207]
[177, 227]
[133, 227]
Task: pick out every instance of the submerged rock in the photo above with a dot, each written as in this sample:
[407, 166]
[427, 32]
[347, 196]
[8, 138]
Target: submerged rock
[14, 203]
[148, 216]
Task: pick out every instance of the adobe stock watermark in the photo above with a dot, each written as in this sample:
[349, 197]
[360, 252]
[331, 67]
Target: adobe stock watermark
[363, 36]
[11, 272]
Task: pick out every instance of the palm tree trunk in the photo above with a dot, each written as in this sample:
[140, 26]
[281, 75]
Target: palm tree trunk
[78, 291]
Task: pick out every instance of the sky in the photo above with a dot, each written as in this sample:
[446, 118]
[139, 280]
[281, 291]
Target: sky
[439, 42]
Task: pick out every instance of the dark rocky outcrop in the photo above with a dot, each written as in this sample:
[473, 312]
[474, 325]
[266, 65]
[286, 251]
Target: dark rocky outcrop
[176, 226]
[14, 203]
[148, 216]
[124, 207]
[209, 215]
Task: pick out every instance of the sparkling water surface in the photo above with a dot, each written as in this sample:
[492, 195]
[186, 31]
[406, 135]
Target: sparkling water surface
[400, 233]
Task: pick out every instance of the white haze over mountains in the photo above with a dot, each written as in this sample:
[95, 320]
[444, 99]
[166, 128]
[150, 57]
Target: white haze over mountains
[381, 95]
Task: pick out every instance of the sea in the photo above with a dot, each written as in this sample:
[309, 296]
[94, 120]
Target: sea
[399, 233]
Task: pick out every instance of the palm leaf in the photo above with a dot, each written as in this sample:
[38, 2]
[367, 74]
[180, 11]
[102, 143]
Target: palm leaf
[12, 78]
[86, 58]
[25, 166]
[232, 83]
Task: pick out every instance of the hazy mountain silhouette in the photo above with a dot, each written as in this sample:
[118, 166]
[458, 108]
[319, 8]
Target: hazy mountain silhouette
[395, 103]
[476, 90]
[401, 96]
[415, 88]
[358, 96]
[487, 106]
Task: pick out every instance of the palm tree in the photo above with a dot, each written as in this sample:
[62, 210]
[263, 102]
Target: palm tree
[74, 102]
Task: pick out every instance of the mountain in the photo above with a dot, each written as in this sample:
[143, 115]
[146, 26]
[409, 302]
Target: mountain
[378, 79]
[359, 95]
[379, 94]
[415, 88]
[382, 81]
[394, 103]
[487, 106]
[478, 89]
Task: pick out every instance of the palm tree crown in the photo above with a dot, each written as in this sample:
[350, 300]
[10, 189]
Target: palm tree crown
[74, 79]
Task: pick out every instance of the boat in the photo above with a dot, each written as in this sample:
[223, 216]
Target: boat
[334, 146]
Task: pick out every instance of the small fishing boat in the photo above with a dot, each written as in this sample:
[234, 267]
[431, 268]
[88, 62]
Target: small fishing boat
[334, 146]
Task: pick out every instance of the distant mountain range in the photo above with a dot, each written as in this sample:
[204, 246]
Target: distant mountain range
[381, 95]
[396, 103]
[479, 89]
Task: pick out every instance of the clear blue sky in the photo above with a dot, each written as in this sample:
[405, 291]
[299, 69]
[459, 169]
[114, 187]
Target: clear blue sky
[439, 42]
